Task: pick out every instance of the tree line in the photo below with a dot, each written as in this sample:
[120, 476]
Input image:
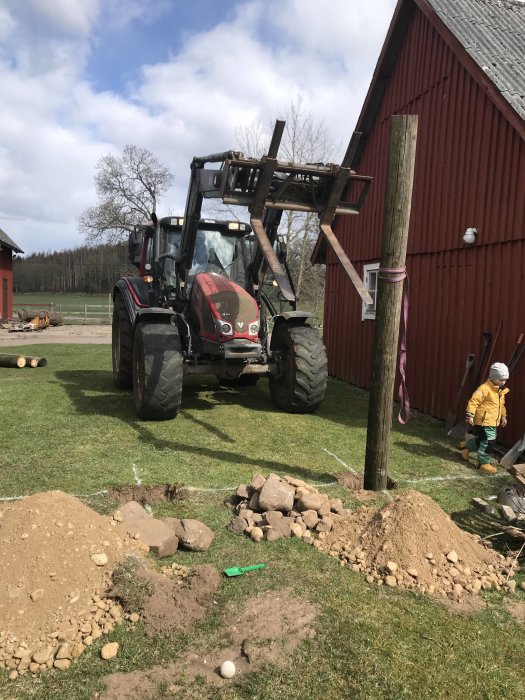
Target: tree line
[87, 269]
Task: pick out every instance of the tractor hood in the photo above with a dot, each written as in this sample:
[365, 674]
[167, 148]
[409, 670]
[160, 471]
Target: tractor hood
[224, 310]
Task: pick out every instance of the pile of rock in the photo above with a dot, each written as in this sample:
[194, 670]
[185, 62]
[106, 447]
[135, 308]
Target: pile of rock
[163, 536]
[412, 543]
[274, 507]
[58, 648]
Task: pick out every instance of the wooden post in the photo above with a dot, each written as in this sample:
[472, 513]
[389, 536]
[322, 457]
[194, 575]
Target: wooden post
[403, 136]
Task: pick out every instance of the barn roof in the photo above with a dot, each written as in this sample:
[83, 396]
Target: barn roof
[487, 36]
[8, 242]
[493, 34]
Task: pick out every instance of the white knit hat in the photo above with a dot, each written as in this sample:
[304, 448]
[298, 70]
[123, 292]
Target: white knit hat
[499, 371]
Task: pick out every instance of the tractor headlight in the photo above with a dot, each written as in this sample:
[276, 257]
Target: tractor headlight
[223, 327]
[254, 328]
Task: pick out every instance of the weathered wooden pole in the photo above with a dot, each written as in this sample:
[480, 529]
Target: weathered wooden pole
[401, 159]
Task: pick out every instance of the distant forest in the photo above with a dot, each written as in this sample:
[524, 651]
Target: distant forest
[88, 269]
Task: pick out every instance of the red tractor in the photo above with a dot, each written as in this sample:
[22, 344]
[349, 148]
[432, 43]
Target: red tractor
[200, 302]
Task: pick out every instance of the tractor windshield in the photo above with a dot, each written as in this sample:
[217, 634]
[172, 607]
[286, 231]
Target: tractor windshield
[216, 250]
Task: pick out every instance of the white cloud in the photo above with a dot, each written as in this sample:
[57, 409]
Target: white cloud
[55, 126]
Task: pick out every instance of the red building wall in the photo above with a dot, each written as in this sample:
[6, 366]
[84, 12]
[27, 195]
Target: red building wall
[470, 171]
[6, 283]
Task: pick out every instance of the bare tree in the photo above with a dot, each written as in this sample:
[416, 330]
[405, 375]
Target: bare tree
[305, 140]
[128, 188]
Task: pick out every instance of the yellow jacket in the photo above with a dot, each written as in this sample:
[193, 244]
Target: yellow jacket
[487, 404]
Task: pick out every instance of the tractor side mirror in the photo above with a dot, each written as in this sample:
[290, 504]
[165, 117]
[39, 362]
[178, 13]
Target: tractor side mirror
[281, 251]
[135, 247]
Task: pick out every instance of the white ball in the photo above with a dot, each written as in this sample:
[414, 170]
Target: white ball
[227, 669]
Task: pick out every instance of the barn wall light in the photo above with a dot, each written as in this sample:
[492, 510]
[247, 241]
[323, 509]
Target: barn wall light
[469, 237]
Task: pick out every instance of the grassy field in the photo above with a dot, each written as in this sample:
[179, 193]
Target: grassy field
[65, 426]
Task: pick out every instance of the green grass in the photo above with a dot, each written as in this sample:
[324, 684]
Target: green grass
[46, 298]
[65, 426]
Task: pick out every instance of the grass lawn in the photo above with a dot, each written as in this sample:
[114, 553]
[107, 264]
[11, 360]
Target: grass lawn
[65, 426]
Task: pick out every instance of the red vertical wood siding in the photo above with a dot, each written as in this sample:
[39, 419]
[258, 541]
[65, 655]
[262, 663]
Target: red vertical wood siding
[6, 267]
[470, 171]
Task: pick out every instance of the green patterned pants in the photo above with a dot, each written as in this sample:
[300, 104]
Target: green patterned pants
[484, 437]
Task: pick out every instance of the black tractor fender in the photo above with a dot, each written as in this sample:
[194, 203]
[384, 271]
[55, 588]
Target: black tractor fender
[135, 293]
[292, 318]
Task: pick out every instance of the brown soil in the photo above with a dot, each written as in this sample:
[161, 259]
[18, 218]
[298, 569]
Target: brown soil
[266, 630]
[52, 589]
[171, 605]
[517, 610]
[159, 493]
[354, 483]
[96, 334]
[412, 543]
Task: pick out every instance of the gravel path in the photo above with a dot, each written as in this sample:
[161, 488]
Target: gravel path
[58, 334]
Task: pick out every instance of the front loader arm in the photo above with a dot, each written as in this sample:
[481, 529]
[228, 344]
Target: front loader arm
[267, 187]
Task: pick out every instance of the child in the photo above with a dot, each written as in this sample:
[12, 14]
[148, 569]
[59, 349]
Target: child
[485, 411]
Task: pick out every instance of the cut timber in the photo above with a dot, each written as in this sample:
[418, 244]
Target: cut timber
[36, 361]
[12, 360]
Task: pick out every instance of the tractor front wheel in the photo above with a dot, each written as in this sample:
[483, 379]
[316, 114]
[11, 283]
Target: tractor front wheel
[157, 371]
[121, 345]
[299, 384]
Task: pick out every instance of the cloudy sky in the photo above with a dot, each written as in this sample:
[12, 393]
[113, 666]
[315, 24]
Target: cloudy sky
[83, 78]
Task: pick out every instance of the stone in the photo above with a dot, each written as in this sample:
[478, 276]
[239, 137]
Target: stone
[511, 585]
[238, 525]
[109, 651]
[62, 664]
[452, 557]
[324, 509]
[284, 525]
[276, 495]
[294, 482]
[391, 581]
[243, 491]
[325, 524]
[254, 501]
[336, 504]
[37, 594]
[310, 518]
[134, 617]
[522, 585]
[257, 534]
[309, 501]
[413, 572]
[257, 482]
[132, 510]
[41, 656]
[296, 530]
[100, 559]
[271, 535]
[391, 567]
[158, 535]
[64, 651]
[273, 517]
[194, 535]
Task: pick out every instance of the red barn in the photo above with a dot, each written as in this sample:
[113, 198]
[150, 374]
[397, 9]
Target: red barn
[459, 65]
[7, 247]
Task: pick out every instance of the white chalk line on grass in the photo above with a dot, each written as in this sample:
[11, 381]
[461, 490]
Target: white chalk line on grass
[346, 466]
[451, 478]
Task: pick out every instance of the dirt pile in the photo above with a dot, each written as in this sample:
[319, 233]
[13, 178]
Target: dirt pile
[265, 630]
[274, 507]
[169, 601]
[412, 543]
[57, 558]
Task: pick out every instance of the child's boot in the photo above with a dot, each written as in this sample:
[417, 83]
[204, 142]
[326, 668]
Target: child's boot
[487, 468]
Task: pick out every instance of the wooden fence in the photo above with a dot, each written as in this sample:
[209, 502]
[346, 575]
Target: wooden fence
[73, 313]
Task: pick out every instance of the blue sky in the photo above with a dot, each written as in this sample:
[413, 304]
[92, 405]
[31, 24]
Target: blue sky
[83, 78]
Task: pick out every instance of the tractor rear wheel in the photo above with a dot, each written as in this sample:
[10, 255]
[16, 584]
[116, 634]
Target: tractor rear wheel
[299, 385]
[121, 345]
[157, 371]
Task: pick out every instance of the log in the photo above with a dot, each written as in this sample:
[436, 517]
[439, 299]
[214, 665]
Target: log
[12, 360]
[36, 361]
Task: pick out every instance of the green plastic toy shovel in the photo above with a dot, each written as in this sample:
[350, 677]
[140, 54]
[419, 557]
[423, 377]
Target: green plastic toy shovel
[239, 570]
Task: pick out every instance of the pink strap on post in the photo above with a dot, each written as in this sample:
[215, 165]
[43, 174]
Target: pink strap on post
[399, 275]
